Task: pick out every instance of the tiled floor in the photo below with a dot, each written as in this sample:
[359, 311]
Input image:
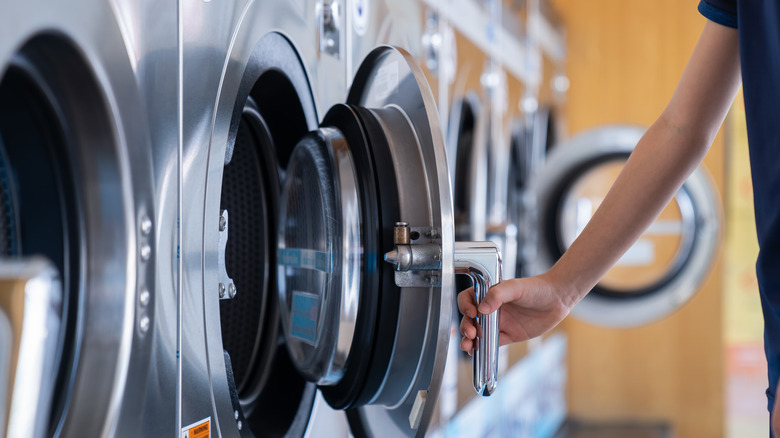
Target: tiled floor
[746, 413]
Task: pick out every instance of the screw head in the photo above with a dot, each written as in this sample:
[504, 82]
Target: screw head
[231, 290]
[221, 290]
[222, 223]
[146, 225]
[143, 324]
[144, 297]
[146, 252]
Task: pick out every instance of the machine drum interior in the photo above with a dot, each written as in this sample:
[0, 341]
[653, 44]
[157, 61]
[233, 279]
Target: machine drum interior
[274, 109]
[249, 192]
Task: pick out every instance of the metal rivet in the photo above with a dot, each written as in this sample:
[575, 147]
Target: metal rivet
[239, 425]
[143, 324]
[144, 297]
[235, 414]
[231, 290]
[146, 225]
[221, 290]
[146, 252]
[222, 223]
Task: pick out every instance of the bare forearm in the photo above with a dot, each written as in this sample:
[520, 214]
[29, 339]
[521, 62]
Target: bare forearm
[652, 175]
[665, 156]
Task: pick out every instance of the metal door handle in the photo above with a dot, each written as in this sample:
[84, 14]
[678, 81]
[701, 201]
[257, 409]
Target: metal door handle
[481, 261]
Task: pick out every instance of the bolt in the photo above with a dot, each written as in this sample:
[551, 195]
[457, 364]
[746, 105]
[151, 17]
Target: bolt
[239, 425]
[146, 225]
[235, 414]
[144, 297]
[231, 290]
[143, 324]
[222, 223]
[146, 252]
[221, 290]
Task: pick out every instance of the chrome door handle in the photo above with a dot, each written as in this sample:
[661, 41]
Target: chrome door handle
[481, 261]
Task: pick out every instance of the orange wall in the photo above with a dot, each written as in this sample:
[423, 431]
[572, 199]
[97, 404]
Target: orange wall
[624, 60]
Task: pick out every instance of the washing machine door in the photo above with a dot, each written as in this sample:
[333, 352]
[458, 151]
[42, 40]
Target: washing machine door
[668, 263]
[372, 347]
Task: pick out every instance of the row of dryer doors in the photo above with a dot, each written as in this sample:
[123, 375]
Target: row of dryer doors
[212, 246]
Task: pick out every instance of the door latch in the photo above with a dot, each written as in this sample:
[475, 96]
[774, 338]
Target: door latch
[417, 261]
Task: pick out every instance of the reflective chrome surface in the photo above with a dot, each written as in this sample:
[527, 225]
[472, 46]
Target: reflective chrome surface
[30, 321]
[225, 47]
[481, 261]
[699, 206]
[372, 23]
[320, 254]
[393, 85]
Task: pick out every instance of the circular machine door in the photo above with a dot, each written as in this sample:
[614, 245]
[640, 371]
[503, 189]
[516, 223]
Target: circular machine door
[372, 347]
[75, 193]
[666, 265]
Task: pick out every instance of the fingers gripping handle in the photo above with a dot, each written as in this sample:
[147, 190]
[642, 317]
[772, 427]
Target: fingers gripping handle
[481, 261]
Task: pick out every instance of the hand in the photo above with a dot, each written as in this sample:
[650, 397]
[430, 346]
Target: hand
[529, 307]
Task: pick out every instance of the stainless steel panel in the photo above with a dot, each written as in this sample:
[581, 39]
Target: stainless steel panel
[75, 54]
[218, 40]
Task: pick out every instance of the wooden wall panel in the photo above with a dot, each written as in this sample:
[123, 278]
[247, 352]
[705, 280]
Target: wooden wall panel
[624, 61]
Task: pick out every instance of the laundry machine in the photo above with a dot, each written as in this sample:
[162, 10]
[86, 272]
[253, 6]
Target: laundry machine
[371, 23]
[286, 219]
[667, 264]
[78, 225]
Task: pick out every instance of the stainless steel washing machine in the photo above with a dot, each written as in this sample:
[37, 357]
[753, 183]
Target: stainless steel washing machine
[78, 224]
[371, 23]
[286, 220]
[668, 263]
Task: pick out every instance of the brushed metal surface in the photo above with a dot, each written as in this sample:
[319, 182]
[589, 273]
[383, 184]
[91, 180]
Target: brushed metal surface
[76, 52]
[218, 42]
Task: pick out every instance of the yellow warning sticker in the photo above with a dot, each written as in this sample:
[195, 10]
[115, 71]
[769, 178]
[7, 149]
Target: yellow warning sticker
[201, 429]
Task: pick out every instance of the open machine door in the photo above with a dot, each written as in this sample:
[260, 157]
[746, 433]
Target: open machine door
[668, 263]
[297, 296]
[373, 336]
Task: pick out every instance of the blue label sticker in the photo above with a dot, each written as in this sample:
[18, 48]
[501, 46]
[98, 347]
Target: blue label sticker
[305, 314]
[306, 259]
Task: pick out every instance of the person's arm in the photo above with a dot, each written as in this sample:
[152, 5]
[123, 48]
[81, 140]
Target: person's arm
[665, 156]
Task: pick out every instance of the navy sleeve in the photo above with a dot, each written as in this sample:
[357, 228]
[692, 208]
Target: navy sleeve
[720, 11]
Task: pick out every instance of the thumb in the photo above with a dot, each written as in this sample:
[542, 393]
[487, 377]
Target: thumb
[495, 297]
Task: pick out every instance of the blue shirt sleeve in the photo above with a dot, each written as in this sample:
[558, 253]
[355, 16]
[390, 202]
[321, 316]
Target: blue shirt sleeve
[720, 11]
